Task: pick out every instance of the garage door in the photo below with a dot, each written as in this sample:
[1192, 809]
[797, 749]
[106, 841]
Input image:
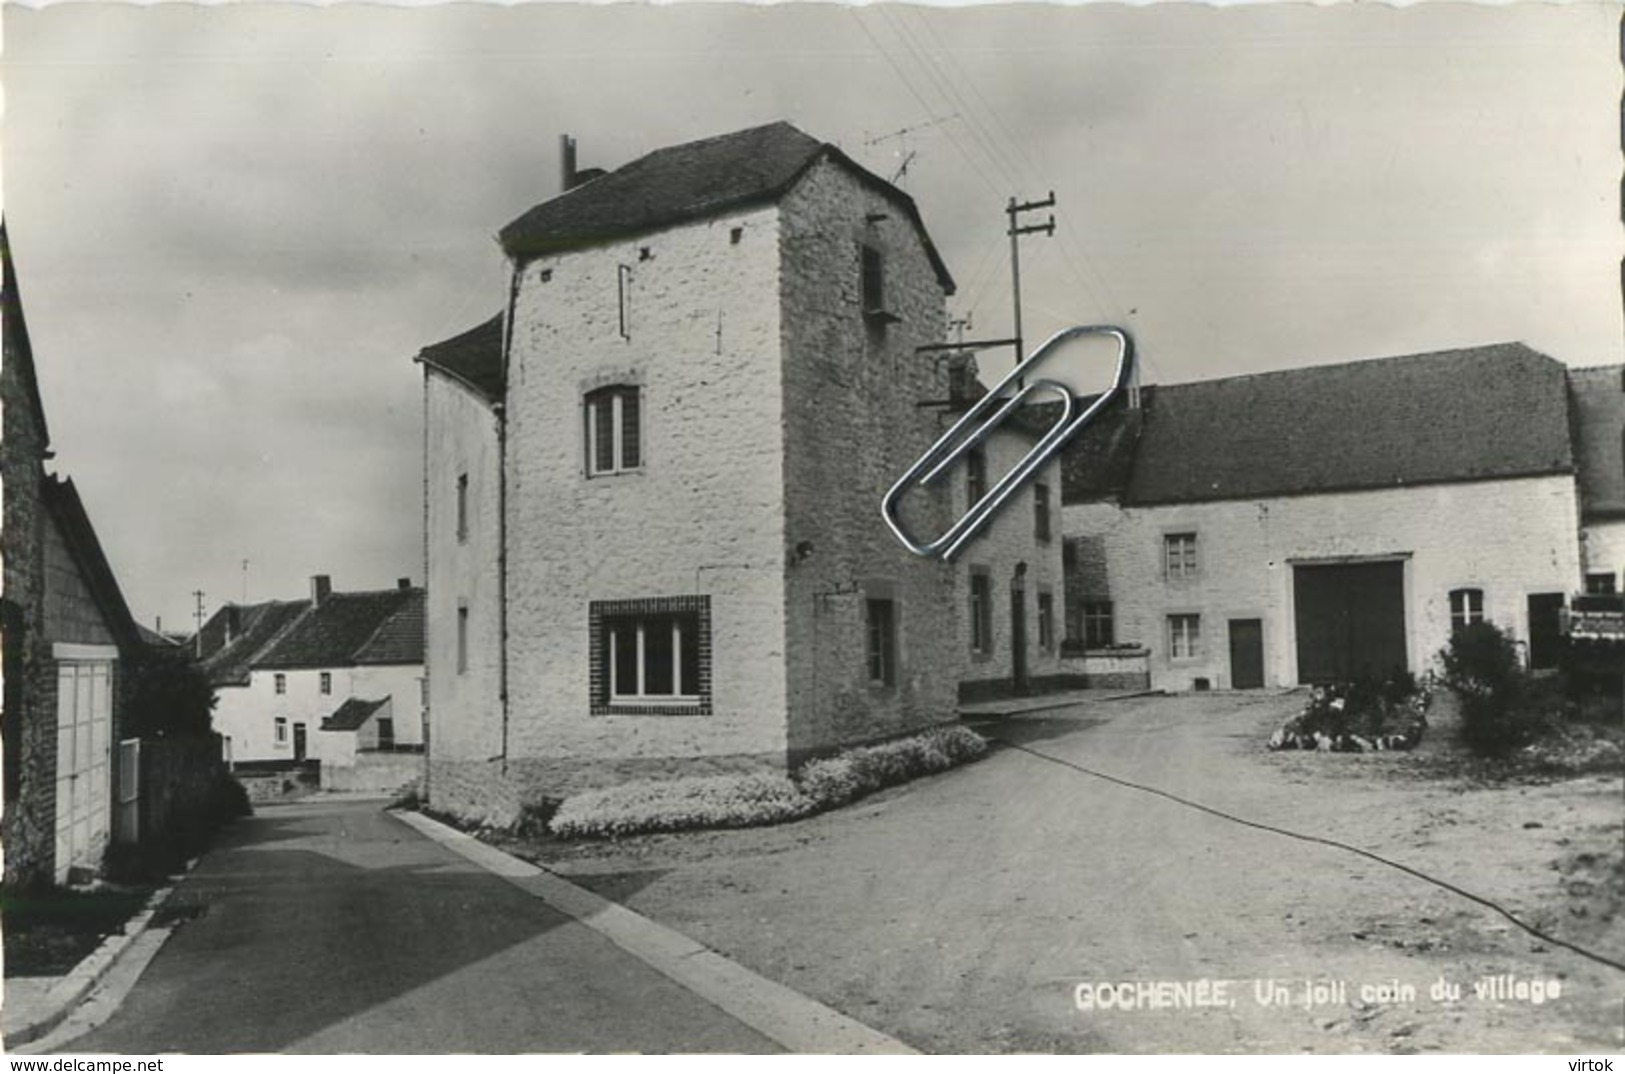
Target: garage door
[1351, 621]
[84, 733]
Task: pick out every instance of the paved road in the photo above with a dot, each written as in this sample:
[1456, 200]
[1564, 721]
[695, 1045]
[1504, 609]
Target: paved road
[333, 927]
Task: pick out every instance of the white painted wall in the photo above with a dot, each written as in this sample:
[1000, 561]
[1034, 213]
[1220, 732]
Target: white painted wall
[248, 713]
[1509, 538]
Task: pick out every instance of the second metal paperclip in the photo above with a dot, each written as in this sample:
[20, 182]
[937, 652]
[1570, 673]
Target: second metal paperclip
[929, 466]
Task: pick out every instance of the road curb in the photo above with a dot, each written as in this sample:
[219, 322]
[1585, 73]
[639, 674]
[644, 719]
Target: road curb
[71, 989]
[799, 1023]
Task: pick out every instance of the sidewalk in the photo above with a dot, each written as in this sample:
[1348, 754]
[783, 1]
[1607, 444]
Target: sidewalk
[33, 1006]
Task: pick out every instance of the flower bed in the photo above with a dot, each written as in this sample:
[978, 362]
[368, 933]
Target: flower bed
[746, 801]
[1355, 717]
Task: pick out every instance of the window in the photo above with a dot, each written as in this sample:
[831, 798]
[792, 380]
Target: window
[462, 508]
[386, 733]
[882, 643]
[1184, 637]
[281, 730]
[975, 476]
[613, 444]
[327, 682]
[1098, 631]
[1466, 606]
[651, 655]
[462, 638]
[1599, 585]
[1046, 620]
[623, 291]
[1041, 511]
[1179, 556]
[981, 612]
[874, 282]
[281, 683]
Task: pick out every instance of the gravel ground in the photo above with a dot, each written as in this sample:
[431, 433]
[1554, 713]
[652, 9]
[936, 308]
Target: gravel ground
[961, 913]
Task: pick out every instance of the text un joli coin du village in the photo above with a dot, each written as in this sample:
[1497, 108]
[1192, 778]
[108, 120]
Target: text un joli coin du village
[1308, 994]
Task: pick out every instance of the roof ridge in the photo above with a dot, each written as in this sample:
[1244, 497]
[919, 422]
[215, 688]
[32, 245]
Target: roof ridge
[1297, 370]
[254, 658]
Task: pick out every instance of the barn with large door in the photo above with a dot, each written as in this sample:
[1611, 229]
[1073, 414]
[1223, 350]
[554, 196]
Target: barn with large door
[1326, 523]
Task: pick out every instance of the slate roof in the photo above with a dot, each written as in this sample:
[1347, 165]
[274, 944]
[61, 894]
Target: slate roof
[67, 510]
[352, 714]
[399, 639]
[689, 182]
[474, 358]
[1497, 411]
[1598, 398]
[334, 632]
[258, 624]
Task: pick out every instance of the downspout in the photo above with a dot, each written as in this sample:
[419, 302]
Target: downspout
[501, 410]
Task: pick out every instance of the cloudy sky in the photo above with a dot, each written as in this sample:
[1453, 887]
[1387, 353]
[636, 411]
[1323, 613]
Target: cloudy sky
[234, 227]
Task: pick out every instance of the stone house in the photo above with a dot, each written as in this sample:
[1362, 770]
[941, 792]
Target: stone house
[284, 672]
[69, 642]
[1327, 522]
[653, 482]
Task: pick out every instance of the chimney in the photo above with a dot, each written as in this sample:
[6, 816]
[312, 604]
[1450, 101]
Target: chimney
[403, 583]
[567, 162]
[320, 586]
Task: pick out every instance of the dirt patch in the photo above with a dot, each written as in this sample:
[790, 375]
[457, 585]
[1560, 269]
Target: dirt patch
[49, 933]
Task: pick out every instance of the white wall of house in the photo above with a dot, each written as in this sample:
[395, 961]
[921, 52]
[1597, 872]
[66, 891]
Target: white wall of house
[1509, 538]
[1602, 549]
[1012, 538]
[701, 516]
[249, 714]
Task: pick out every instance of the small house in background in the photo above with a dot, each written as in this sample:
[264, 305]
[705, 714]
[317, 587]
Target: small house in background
[289, 675]
[653, 485]
[1329, 522]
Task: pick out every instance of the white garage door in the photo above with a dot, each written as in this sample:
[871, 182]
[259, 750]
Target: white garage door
[84, 734]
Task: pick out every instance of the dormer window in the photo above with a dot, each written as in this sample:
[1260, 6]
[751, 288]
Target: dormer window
[614, 443]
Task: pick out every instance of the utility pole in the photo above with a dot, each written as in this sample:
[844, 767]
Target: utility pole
[1017, 229]
[197, 636]
[245, 581]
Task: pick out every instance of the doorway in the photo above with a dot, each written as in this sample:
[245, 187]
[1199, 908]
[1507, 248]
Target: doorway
[1246, 654]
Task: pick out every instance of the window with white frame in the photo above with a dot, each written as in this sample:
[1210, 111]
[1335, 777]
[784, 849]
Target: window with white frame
[280, 682]
[651, 655]
[1179, 556]
[1184, 637]
[281, 726]
[1599, 584]
[1466, 607]
[881, 647]
[327, 682]
[614, 443]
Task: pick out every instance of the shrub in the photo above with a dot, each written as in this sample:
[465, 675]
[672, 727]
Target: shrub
[747, 801]
[1358, 716]
[1499, 712]
[170, 696]
[677, 804]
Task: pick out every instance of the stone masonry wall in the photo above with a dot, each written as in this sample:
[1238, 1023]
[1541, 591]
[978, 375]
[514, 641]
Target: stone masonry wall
[30, 719]
[1508, 538]
[701, 516]
[851, 427]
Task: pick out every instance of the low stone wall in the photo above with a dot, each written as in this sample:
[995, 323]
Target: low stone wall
[179, 778]
[275, 783]
[376, 773]
[1111, 669]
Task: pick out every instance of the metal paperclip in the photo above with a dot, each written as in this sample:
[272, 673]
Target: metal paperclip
[948, 448]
